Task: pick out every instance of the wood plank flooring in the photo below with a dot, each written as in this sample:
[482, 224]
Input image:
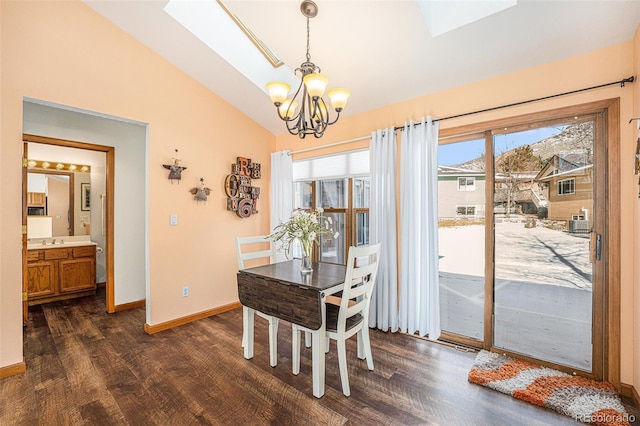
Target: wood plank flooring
[88, 367]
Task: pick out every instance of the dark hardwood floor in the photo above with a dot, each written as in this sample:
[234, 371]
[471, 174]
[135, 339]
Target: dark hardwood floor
[88, 367]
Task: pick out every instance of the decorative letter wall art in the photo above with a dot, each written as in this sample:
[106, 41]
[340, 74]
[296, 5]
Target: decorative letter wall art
[242, 198]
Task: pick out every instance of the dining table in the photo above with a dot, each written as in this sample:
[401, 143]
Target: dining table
[283, 291]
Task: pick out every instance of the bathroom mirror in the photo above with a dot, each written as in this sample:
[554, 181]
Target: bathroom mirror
[63, 196]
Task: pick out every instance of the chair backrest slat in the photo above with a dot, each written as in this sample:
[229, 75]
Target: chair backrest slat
[359, 281]
[268, 254]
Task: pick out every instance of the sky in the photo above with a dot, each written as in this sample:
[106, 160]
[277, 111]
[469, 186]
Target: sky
[456, 153]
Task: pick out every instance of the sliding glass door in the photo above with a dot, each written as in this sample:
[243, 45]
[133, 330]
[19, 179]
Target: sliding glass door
[544, 215]
[461, 233]
[524, 223]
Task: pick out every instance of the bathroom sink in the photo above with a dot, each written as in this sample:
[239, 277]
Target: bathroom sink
[58, 244]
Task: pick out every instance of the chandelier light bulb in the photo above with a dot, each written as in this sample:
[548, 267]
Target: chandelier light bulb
[288, 108]
[278, 91]
[316, 84]
[339, 98]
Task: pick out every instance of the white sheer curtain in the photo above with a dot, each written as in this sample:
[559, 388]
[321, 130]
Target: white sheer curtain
[382, 227]
[419, 299]
[281, 197]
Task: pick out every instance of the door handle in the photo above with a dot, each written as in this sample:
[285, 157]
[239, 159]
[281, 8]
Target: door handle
[598, 246]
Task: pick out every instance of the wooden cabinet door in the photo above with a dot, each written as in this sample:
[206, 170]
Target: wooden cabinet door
[36, 199]
[77, 274]
[41, 278]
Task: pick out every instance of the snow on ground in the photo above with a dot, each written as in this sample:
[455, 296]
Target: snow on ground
[538, 255]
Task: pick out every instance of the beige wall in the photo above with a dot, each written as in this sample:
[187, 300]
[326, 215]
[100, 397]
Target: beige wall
[603, 66]
[65, 53]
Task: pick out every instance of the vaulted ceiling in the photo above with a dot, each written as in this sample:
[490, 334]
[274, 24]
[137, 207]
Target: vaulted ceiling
[384, 51]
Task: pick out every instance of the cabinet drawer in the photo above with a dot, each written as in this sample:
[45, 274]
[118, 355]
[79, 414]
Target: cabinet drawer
[33, 255]
[56, 254]
[84, 251]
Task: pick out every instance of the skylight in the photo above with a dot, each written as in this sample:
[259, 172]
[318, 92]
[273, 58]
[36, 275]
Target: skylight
[443, 16]
[222, 32]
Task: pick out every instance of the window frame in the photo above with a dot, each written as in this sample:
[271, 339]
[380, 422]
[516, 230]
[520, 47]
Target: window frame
[561, 184]
[466, 187]
[350, 212]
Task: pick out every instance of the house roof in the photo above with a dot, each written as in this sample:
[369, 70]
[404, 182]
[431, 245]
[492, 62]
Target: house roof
[560, 166]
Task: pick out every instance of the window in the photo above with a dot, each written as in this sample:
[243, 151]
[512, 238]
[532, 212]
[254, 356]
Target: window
[340, 185]
[466, 210]
[567, 187]
[466, 184]
[333, 194]
[303, 193]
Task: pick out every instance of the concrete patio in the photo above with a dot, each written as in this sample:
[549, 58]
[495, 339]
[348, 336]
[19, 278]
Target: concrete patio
[542, 293]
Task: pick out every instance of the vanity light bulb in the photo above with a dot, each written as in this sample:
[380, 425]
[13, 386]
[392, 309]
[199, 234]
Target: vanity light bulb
[84, 169]
[45, 164]
[31, 163]
[72, 167]
[59, 166]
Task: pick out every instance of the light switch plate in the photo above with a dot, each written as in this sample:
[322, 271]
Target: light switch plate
[173, 219]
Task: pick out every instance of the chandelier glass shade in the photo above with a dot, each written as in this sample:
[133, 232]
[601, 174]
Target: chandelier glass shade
[313, 117]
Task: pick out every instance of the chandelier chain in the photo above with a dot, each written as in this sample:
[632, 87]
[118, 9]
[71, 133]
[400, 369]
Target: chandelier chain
[308, 54]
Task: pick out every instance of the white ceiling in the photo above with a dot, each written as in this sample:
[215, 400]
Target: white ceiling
[381, 50]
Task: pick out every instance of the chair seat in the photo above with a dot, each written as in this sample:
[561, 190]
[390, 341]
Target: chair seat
[332, 319]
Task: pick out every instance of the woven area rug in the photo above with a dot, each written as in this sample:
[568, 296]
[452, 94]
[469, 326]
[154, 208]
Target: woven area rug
[584, 400]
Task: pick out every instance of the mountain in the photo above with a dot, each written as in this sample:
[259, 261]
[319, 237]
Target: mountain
[574, 143]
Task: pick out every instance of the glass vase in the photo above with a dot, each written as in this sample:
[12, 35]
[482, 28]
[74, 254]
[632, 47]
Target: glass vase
[305, 262]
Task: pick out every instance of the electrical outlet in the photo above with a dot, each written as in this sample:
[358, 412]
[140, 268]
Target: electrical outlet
[185, 291]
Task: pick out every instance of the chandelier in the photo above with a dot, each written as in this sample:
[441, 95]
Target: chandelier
[313, 116]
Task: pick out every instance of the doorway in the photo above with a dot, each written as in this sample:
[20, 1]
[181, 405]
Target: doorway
[103, 213]
[529, 236]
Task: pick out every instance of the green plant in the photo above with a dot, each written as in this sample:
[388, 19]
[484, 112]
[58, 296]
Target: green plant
[304, 226]
[543, 213]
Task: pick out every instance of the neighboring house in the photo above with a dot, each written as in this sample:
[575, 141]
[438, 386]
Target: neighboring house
[568, 185]
[520, 191]
[460, 193]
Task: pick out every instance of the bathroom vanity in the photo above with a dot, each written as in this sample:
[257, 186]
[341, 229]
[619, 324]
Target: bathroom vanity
[61, 270]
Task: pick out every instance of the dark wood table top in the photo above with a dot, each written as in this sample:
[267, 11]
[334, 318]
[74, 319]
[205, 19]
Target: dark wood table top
[281, 290]
[323, 276]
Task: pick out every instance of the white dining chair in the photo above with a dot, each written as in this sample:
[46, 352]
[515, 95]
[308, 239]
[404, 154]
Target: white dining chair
[266, 254]
[351, 316]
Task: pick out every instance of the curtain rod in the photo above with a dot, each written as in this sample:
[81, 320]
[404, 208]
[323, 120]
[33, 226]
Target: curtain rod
[620, 82]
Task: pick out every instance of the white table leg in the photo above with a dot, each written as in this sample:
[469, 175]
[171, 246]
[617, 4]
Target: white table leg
[273, 341]
[247, 331]
[318, 359]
